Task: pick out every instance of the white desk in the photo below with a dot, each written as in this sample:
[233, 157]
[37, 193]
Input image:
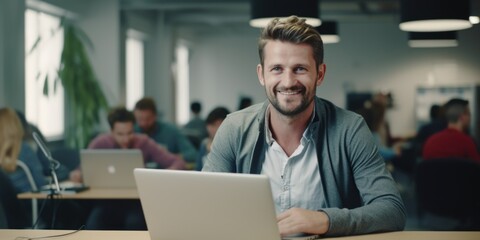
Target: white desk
[143, 235]
[94, 193]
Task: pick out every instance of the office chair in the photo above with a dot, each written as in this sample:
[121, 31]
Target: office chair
[15, 213]
[449, 188]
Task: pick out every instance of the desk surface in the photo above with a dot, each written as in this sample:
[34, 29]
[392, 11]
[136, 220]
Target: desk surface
[89, 194]
[143, 235]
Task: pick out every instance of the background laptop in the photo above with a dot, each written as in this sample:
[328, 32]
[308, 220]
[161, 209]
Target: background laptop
[110, 168]
[207, 206]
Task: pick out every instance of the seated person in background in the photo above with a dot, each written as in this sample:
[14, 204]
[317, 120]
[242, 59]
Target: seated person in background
[453, 142]
[122, 135]
[437, 123]
[326, 175]
[63, 173]
[165, 134]
[373, 114]
[126, 214]
[214, 120]
[196, 127]
[13, 149]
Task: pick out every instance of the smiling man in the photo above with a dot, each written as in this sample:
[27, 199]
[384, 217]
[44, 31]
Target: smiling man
[326, 174]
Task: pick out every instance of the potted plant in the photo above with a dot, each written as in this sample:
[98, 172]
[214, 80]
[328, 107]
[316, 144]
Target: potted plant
[85, 99]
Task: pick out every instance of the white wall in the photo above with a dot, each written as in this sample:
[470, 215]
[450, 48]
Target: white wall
[12, 54]
[370, 57]
[223, 68]
[101, 22]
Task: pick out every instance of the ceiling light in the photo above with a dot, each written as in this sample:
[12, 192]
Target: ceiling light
[329, 32]
[263, 11]
[474, 19]
[434, 15]
[432, 39]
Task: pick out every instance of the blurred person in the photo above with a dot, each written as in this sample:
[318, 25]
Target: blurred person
[326, 175]
[122, 136]
[244, 103]
[214, 120]
[165, 134]
[62, 172]
[196, 129]
[13, 148]
[126, 214]
[454, 141]
[437, 123]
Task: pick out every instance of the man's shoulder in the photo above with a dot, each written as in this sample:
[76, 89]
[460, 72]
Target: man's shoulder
[332, 112]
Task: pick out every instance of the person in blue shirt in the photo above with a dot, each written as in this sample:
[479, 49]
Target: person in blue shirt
[165, 134]
[13, 150]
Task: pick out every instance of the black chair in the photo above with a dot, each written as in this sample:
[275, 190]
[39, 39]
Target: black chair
[450, 188]
[14, 210]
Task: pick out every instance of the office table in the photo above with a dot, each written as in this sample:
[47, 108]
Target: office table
[89, 194]
[7, 234]
[93, 193]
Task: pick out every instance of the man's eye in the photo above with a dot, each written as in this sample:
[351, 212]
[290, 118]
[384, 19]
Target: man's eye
[276, 69]
[300, 69]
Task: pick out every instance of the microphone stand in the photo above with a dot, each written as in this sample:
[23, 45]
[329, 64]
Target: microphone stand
[53, 164]
[54, 188]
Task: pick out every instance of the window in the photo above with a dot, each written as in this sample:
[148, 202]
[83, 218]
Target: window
[42, 34]
[182, 79]
[134, 69]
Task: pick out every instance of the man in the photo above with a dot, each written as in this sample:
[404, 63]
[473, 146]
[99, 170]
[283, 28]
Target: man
[196, 128]
[453, 142]
[165, 134]
[122, 135]
[126, 214]
[326, 174]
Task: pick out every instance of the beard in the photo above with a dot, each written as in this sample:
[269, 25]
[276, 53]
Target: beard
[305, 101]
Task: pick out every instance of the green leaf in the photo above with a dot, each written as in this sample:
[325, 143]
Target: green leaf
[35, 44]
[45, 86]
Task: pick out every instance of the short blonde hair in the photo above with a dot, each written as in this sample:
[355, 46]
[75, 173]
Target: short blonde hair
[293, 30]
[11, 134]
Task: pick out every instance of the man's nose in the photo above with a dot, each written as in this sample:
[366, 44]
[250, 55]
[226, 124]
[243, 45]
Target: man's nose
[290, 79]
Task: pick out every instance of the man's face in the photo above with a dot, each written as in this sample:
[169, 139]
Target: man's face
[145, 119]
[123, 133]
[290, 76]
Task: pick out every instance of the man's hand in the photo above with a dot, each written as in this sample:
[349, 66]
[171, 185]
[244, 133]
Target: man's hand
[297, 220]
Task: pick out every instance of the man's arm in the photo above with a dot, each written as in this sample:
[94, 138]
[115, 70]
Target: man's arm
[382, 207]
[162, 156]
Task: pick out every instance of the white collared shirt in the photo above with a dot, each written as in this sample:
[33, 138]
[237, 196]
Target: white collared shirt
[295, 180]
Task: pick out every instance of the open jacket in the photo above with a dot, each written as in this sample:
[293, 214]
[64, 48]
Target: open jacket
[360, 194]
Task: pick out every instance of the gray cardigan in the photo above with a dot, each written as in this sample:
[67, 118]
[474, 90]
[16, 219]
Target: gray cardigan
[360, 194]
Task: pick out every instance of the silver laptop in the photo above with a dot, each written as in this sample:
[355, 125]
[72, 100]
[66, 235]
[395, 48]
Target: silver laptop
[186, 205]
[110, 168]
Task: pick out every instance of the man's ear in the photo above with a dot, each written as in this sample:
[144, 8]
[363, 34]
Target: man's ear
[321, 73]
[260, 74]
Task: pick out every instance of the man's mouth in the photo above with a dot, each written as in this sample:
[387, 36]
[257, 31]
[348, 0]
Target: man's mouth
[289, 91]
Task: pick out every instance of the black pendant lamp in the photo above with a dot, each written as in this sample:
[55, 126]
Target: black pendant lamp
[434, 15]
[262, 11]
[329, 32]
[432, 39]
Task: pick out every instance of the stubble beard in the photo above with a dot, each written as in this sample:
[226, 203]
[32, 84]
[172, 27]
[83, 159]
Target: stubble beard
[302, 106]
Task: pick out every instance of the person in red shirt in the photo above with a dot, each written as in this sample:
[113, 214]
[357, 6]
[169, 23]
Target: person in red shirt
[453, 142]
